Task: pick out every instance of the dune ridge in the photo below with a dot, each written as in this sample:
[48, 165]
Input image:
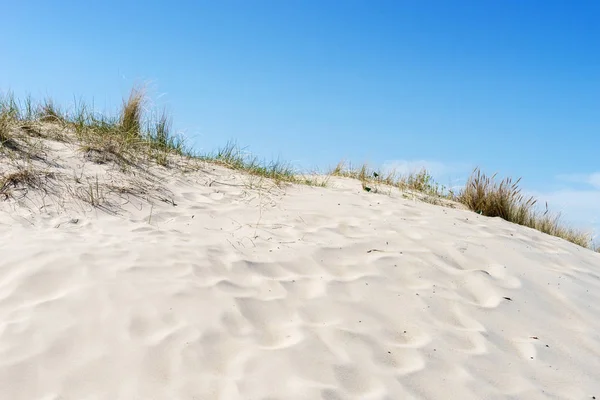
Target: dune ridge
[194, 281]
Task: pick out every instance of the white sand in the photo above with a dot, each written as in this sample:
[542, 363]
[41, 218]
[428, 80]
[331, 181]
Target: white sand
[294, 293]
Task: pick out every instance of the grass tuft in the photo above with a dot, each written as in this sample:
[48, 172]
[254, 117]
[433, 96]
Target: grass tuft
[232, 156]
[22, 179]
[160, 132]
[7, 116]
[485, 196]
[421, 181]
[49, 112]
[131, 113]
[4, 129]
[235, 158]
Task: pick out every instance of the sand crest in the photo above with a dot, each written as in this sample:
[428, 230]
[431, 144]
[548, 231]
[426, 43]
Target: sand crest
[231, 288]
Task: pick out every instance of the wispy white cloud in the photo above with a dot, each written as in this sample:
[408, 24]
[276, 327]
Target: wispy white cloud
[595, 179]
[581, 205]
[592, 179]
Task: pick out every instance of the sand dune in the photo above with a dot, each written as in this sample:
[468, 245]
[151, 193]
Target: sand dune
[232, 288]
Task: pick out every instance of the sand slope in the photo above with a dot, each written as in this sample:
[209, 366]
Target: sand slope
[240, 290]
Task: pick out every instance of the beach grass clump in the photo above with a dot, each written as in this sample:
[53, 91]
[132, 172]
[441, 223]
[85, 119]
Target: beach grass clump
[504, 199]
[4, 129]
[22, 179]
[485, 196]
[48, 111]
[131, 113]
[9, 114]
[130, 136]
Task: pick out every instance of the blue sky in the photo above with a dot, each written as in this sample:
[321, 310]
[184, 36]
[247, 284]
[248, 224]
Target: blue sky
[512, 86]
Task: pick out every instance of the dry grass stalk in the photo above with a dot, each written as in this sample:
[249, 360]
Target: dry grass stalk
[485, 196]
[131, 113]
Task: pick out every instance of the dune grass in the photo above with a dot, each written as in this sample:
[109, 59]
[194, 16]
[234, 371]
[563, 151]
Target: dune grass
[127, 138]
[420, 181]
[131, 114]
[4, 129]
[134, 135]
[8, 114]
[234, 157]
[504, 199]
[22, 177]
[481, 194]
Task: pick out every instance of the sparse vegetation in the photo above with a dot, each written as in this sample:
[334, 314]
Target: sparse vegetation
[48, 112]
[485, 196]
[124, 139]
[131, 113]
[4, 127]
[481, 194]
[133, 138]
[420, 181]
[92, 193]
[22, 180]
[121, 141]
[7, 115]
[235, 158]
